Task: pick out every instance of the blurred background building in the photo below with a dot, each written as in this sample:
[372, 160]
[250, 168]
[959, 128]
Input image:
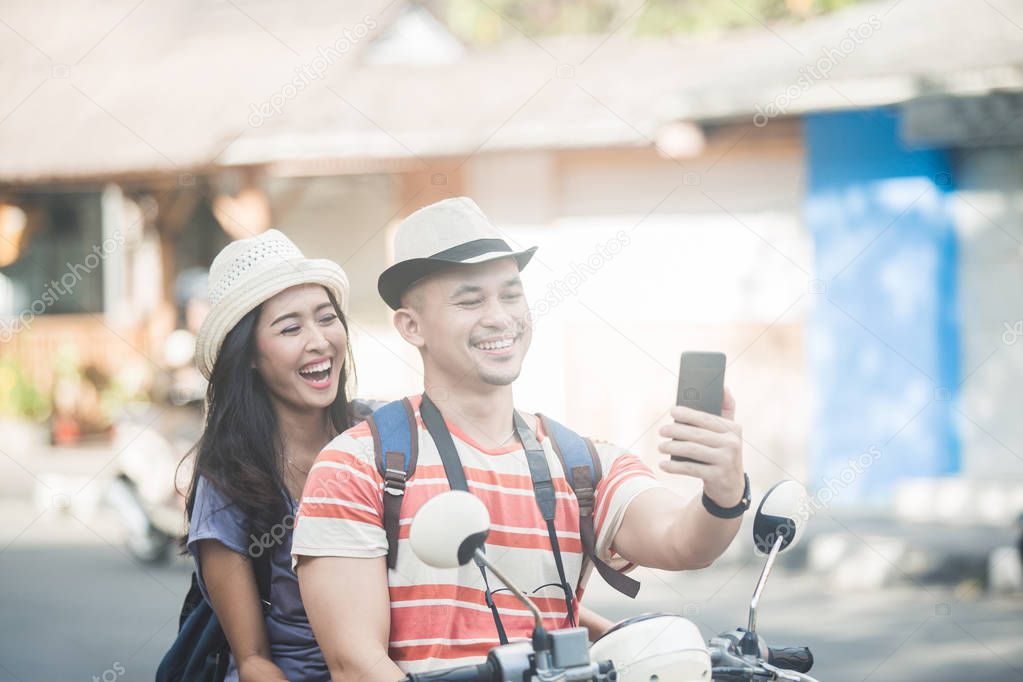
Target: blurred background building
[834, 200]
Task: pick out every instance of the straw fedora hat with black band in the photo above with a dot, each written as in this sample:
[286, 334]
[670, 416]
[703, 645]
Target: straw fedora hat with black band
[446, 234]
[248, 272]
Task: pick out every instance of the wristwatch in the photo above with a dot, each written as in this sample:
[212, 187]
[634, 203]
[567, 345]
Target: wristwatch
[717, 510]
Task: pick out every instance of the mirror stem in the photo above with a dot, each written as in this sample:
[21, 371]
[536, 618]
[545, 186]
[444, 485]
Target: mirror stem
[755, 602]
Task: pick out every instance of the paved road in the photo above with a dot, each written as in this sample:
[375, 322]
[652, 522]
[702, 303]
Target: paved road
[74, 607]
[906, 633]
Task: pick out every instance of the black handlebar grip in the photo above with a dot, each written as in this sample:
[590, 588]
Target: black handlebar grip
[796, 658]
[467, 673]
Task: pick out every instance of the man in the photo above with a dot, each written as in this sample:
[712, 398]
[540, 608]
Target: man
[458, 299]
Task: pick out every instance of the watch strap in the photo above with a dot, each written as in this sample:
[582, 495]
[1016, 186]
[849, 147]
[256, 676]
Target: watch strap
[729, 512]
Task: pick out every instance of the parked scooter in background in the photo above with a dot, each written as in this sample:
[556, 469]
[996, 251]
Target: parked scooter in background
[154, 439]
[144, 492]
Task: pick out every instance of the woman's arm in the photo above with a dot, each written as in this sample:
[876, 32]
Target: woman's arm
[231, 583]
[594, 622]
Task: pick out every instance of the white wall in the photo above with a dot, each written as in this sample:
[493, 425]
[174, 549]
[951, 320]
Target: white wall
[638, 262]
[989, 220]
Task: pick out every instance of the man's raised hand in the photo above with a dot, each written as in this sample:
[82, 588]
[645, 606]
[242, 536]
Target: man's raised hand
[715, 445]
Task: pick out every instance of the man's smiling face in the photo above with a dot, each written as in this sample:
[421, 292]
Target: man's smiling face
[473, 322]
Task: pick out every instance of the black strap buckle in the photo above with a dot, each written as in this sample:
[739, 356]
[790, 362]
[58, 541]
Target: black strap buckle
[394, 482]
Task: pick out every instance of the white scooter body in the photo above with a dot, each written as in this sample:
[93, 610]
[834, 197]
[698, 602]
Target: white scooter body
[662, 647]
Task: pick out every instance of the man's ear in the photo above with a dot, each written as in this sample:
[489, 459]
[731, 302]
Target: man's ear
[406, 321]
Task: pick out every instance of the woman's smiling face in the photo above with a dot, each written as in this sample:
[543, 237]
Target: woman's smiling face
[301, 346]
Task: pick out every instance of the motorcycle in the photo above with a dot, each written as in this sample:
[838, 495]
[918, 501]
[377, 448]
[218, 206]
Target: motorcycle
[153, 469]
[450, 530]
[151, 444]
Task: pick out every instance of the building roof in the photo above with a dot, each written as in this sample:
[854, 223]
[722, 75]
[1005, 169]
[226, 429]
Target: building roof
[152, 86]
[164, 86]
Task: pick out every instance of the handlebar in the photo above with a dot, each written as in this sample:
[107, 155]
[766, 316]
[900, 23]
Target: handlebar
[777, 663]
[798, 658]
[484, 672]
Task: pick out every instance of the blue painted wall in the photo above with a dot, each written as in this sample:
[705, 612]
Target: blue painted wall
[882, 338]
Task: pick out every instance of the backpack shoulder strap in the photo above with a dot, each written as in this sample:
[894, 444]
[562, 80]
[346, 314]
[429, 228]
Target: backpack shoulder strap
[261, 566]
[574, 451]
[583, 470]
[396, 445]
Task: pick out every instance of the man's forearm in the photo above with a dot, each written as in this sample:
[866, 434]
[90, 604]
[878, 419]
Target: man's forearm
[698, 537]
[663, 530]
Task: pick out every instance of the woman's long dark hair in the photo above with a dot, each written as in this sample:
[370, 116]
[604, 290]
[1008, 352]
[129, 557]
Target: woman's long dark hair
[241, 450]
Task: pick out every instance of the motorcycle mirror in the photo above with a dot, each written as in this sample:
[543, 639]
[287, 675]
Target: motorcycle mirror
[448, 529]
[782, 514]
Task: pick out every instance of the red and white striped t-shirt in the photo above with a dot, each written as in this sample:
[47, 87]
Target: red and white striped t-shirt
[439, 617]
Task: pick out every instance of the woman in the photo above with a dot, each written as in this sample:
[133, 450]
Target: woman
[274, 348]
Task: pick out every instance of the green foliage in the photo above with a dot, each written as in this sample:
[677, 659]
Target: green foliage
[19, 397]
[680, 17]
[485, 22]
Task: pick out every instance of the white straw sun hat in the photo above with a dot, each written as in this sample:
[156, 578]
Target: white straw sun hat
[248, 272]
[443, 235]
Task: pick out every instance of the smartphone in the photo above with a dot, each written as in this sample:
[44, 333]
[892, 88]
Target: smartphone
[701, 384]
